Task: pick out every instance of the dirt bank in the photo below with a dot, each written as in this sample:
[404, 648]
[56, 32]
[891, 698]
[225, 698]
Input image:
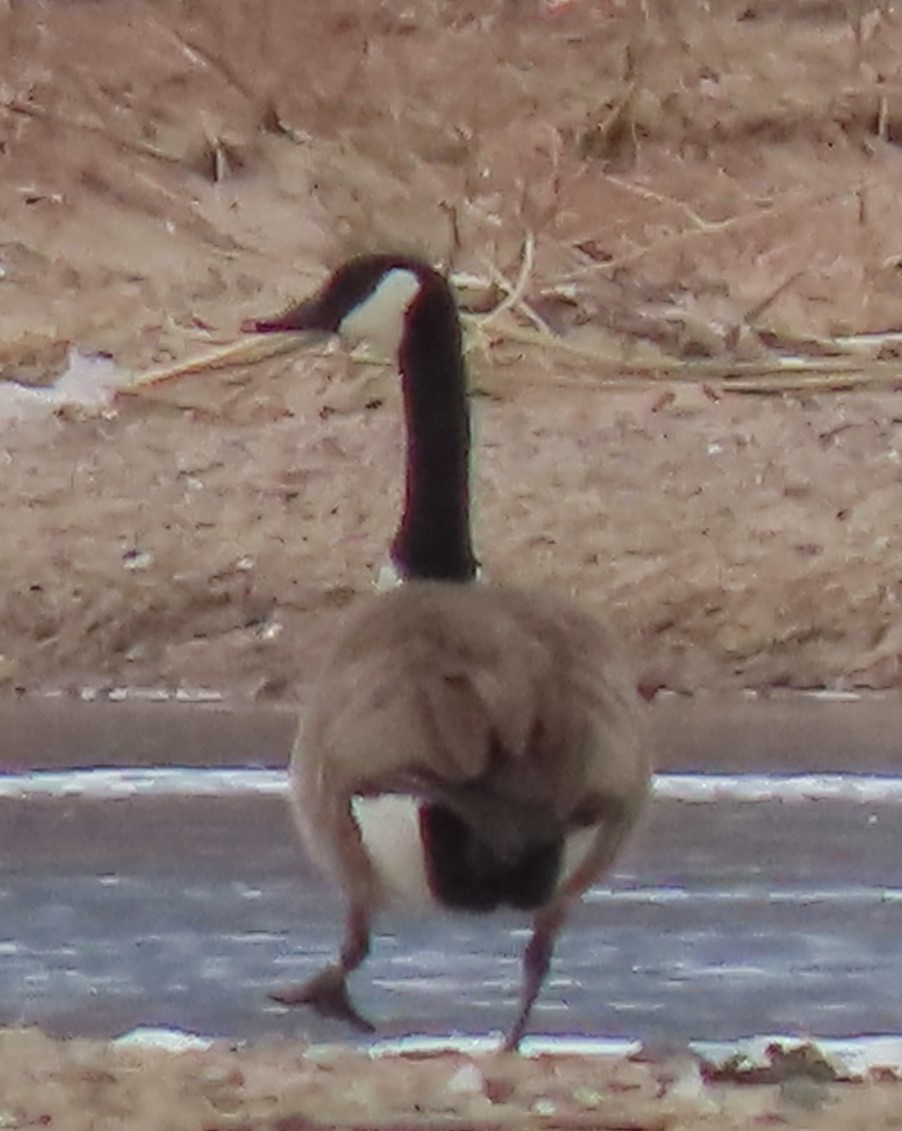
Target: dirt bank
[675, 200]
[705, 189]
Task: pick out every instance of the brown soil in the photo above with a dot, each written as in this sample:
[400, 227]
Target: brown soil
[89, 1086]
[709, 187]
[715, 180]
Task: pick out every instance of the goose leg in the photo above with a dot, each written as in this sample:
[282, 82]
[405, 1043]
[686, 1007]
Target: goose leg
[537, 957]
[536, 960]
[327, 991]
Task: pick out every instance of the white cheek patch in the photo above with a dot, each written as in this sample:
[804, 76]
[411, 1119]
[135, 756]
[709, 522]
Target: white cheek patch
[378, 321]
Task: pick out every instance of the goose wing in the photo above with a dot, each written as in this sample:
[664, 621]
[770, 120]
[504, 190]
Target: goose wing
[510, 707]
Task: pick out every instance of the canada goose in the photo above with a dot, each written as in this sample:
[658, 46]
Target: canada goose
[504, 714]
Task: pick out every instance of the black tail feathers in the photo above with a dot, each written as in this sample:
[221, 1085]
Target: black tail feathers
[465, 874]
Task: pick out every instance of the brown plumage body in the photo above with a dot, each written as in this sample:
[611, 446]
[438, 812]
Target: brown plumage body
[508, 706]
[508, 714]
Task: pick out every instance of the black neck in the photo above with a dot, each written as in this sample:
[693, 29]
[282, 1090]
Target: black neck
[433, 537]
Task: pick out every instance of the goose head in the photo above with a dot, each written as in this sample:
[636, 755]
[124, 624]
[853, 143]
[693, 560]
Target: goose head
[404, 308]
[365, 301]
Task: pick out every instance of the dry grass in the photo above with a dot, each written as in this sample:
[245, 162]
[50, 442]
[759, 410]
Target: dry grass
[680, 201]
[653, 153]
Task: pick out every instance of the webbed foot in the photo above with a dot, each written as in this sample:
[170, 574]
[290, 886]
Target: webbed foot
[327, 993]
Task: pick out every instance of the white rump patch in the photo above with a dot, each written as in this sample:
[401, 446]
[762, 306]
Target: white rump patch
[378, 321]
[576, 848]
[390, 828]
